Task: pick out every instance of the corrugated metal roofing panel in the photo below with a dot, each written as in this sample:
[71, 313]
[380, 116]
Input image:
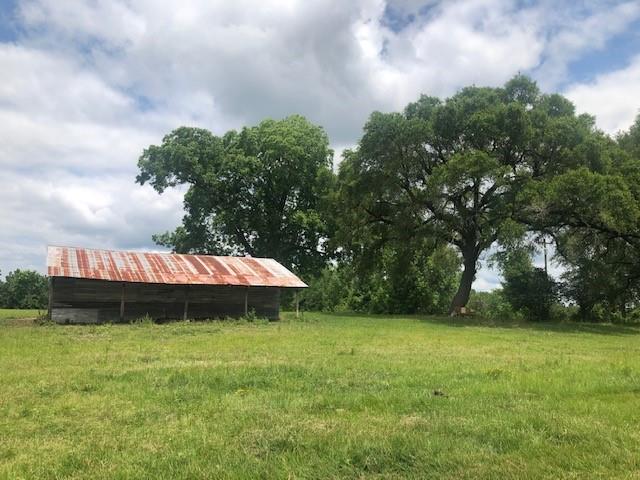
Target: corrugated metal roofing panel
[168, 268]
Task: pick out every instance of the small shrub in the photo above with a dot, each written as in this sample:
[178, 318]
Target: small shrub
[493, 306]
[634, 316]
[43, 319]
[144, 320]
[251, 317]
[531, 292]
[562, 313]
[400, 279]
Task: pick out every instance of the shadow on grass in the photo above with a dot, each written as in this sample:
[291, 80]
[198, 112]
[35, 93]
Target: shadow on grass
[549, 326]
[474, 321]
[17, 322]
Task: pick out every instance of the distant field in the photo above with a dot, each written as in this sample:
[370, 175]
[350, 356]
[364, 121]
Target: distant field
[330, 397]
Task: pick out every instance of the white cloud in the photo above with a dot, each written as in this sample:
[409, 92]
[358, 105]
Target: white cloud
[40, 84]
[58, 112]
[66, 209]
[111, 21]
[332, 61]
[68, 151]
[486, 280]
[612, 97]
[482, 42]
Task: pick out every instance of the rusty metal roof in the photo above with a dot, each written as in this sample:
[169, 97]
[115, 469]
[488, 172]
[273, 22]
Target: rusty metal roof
[168, 268]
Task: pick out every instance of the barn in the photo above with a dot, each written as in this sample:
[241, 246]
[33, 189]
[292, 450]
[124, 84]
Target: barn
[98, 286]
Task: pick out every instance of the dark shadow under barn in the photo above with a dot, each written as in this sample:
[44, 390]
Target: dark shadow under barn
[76, 300]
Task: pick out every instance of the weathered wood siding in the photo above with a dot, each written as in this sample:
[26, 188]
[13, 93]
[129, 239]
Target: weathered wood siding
[97, 301]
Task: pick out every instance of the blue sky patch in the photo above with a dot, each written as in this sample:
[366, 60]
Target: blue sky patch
[615, 54]
[9, 26]
[396, 19]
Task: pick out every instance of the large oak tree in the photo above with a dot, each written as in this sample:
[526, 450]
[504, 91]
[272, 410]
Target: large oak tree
[454, 170]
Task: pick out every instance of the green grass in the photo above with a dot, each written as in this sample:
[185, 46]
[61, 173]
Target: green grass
[330, 397]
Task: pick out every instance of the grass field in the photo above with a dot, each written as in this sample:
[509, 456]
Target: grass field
[329, 397]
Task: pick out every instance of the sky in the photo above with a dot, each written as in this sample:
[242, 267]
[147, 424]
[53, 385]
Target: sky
[86, 85]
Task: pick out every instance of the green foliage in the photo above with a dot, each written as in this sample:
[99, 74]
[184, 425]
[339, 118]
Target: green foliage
[330, 291]
[398, 280]
[602, 278]
[629, 141]
[593, 213]
[493, 306]
[252, 317]
[458, 171]
[531, 292]
[144, 320]
[24, 289]
[262, 191]
[486, 167]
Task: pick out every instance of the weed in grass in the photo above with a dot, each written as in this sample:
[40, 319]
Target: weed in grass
[144, 320]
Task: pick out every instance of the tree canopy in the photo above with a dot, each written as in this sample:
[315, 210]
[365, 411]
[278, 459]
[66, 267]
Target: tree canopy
[23, 289]
[593, 214]
[260, 191]
[424, 191]
[406, 278]
[454, 170]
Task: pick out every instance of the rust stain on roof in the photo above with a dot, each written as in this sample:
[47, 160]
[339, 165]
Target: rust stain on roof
[168, 268]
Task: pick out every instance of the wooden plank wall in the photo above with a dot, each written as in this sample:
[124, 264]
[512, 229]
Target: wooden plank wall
[98, 301]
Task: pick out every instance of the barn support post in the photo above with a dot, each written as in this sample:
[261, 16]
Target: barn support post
[50, 304]
[122, 304]
[186, 303]
[297, 304]
[246, 302]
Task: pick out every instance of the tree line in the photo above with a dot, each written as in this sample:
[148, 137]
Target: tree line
[24, 289]
[403, 222]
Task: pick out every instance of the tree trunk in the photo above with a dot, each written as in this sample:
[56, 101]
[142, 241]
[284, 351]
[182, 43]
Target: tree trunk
[461, 297]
